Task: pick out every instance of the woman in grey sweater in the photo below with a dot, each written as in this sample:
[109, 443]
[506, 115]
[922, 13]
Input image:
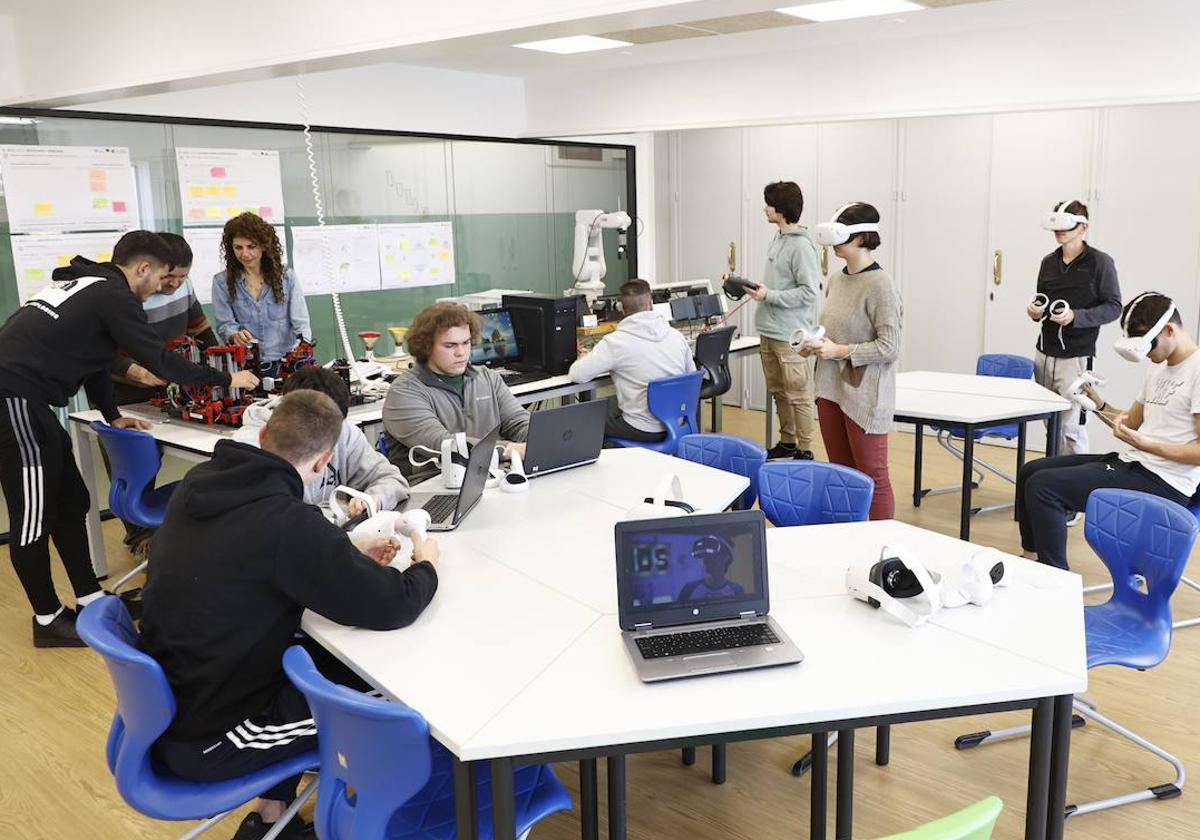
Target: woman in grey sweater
[856, 367]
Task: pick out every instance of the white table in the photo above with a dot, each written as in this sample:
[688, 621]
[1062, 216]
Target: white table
[972, 402]
[519, 658]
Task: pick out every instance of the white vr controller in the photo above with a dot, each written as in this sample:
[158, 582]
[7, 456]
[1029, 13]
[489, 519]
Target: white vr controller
[386, 523]
[1049, 307]
[802, 338]
[1076, 393]
[974, 581]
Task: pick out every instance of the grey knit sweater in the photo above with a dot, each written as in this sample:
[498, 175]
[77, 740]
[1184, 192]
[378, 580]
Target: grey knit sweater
[862, 311]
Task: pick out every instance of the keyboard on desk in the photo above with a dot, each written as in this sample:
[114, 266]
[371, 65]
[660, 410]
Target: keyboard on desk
[705, 641]
[441, 507]
[520, 377]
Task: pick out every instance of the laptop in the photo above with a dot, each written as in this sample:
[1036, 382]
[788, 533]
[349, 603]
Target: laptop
[692, 596]
[448, 510]
[498, 349]
[561, 438]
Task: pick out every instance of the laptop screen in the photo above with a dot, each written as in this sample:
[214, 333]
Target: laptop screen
[497, 341]
[691, 568]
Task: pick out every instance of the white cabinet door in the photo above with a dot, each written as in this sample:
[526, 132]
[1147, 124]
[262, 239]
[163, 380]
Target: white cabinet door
[944, 235]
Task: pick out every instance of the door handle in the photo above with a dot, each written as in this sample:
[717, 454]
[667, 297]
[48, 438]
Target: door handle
[731, 258]
[824, 260]
[997, 266]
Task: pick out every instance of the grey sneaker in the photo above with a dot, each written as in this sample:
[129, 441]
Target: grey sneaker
[1074, 518]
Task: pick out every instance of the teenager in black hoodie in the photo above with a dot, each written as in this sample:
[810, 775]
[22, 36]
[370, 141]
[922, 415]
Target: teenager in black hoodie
[63, 337]
[238, 559]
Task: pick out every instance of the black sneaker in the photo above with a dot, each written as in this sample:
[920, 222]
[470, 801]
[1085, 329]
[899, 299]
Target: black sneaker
[805, 455]
[781, 450]
[58, 633]
[253, 828]
[132, 599]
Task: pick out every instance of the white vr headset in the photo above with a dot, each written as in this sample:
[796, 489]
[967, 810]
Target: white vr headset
[834, 232]
[1059, 219]
[1134, 348]
[896, 583]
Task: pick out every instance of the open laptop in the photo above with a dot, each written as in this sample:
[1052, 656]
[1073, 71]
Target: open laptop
[561, 438]
[448, 510]
[692, 596]
[498, 349]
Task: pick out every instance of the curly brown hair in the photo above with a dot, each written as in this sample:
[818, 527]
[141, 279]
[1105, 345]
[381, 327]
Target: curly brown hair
[251, 226]
[434, 320]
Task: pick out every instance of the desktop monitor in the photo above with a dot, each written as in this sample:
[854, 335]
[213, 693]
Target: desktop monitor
[497, 341]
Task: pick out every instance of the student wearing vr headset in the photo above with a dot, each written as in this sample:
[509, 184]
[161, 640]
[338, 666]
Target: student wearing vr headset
[1162, 427]
[1077, 293]
[856, 367]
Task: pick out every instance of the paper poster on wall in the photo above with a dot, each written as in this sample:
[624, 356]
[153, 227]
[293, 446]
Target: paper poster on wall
[217, 184]
[354, 254]
[56, 189]
[35, 256]
[207, 259]
[420, 254]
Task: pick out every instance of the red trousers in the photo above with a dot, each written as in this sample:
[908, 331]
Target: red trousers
[847, 444]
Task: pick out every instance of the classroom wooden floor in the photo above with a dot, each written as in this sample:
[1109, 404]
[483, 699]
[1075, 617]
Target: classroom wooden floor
[55, 709]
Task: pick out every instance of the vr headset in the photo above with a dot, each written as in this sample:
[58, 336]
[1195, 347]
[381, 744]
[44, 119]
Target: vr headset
[1059, 219]
[735, 287]
[834, 232]
[896, 583]
[1134, 348]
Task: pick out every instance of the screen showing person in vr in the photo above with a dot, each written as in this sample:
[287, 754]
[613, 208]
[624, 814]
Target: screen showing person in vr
[682, 567]
[717, 556]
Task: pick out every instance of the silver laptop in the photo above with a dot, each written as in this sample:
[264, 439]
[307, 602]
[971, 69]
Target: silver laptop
[561, 438]
[448, 510]
[692, 596]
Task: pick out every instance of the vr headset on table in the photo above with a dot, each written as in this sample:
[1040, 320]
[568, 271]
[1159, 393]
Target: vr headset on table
[1134, 348]
[834, 232]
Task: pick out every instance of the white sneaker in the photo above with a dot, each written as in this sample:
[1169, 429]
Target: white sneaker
[1072, 521]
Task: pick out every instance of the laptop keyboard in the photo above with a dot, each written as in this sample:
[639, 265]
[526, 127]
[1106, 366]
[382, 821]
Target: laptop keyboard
[512, 378]
[706, 641]
[441, 508]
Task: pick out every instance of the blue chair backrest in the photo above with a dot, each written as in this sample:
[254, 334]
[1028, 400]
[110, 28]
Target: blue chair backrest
[813, 493]
[675, 400]
[728, 453]
[1003, 364]
[1138, 534]
[135, 461]
[378, 749]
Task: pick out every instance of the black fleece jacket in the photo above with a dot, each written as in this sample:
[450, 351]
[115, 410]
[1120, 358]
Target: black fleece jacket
[238, 559]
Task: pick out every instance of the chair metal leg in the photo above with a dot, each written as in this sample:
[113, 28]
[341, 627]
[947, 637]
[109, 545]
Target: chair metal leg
[1183, 581]
[802, 766]
[988, 736]
[116, 587]
[205, 826]
[977, 465]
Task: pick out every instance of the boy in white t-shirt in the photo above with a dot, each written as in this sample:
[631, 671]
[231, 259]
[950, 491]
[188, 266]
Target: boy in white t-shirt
[1162, 427]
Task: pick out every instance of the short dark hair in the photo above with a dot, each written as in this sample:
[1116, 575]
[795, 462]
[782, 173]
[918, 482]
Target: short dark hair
[317, 378]
[304, 424]
[181, 248]
[786, 198]
[635, 296]
[1141, 314]
[142, 245]
[434, 320]
[1076, 207]
[857, 214]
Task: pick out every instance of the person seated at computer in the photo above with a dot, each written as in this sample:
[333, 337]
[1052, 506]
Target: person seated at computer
[256, 298]
[443, 393]
[643, 348]
[355, 462]
[1162, 427]
[717, 555]
[239, 557]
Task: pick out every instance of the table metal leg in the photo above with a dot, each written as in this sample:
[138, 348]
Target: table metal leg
[1060, 755]
[504, 804]
[718, 764]
[589, 809]
[688, 756]
[968, 476]
[616, 797]
[883, 744]
[918, 453]
[1053, 433]
[716, 414]
[82, 442]
[466, 806]
[1022, 441]
[1037, 793]
[819, 772]
[844, 817]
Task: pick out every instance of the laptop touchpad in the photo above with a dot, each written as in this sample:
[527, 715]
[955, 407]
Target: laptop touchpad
[709, 661]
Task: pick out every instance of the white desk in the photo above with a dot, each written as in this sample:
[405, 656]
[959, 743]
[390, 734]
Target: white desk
[519, 658]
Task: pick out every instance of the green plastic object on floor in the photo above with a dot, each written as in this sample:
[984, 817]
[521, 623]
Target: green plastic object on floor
[974, 823]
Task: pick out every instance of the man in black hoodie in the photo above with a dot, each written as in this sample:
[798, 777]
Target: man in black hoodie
[238, 559]
[65, 336]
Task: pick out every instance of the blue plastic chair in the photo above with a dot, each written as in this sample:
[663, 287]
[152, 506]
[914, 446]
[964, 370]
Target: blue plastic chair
[813, 493]
[402, 780]
[731, 454]
[145, 708]
[675, 401]
[134, 459]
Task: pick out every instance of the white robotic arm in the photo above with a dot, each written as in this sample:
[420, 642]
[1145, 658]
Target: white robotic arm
[588, 265]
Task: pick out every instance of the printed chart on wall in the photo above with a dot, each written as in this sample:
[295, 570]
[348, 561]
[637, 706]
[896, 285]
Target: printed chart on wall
[420, 254]
[36, 256]
[207, 259]
[55, 189]
[217, 184]
[353, 251]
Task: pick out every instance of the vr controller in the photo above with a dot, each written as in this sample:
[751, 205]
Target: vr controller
[801, 338]
[1048, 307]
[1076, 393]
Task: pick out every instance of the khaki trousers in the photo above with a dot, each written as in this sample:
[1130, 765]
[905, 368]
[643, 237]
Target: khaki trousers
[789, 382]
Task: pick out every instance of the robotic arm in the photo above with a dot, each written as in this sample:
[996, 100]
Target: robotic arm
[588, 265]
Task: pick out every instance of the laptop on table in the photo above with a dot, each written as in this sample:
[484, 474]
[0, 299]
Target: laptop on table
[448, 510]
[692, 596]
[561, 438]
[498, 349]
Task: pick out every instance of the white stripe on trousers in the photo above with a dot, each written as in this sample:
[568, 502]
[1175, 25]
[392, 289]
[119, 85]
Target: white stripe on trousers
[250, 736]
[32, 474]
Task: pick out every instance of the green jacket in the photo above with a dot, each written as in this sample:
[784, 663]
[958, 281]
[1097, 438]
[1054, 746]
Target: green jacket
[793, 279]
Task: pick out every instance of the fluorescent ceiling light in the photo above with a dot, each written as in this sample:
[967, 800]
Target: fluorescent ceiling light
[847, 9]
[574, 44]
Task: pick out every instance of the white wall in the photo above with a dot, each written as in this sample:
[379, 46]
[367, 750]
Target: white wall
[10, 71]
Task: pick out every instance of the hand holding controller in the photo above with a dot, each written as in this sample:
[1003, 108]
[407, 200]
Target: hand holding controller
[802, 338]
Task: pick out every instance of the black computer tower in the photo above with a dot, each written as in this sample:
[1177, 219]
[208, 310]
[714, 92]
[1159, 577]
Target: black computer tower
[545, 328]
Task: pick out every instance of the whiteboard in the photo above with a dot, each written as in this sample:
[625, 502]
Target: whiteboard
[354, 252]
[207, 259]
[217, 184]
[420, 254]
[56, 189]
[36, 256]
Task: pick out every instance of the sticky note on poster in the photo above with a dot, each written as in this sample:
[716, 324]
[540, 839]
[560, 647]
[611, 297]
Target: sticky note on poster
[43, 208]
[217, 172]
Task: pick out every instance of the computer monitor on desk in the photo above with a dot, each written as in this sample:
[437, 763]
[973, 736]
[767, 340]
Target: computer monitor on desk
[499, 349]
